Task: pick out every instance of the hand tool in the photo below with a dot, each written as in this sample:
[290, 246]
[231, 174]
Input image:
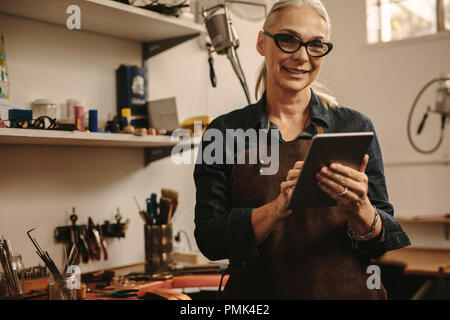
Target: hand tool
[173, 195]
[154, 202]
[93, 239]
[73, 240]
[11, 277]
[126, 293]
[46, 258]
[165, 205]
[82, 237]
[73, 254]
[151, 218]
[142, 213]
[82, 247]
[103, 243]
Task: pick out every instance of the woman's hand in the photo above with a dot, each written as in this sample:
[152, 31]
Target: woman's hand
[287, 187]
[349, 188]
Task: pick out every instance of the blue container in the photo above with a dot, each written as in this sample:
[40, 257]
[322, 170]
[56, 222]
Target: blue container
[93, 122]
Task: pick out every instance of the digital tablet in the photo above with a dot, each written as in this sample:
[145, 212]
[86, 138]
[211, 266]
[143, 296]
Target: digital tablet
[345, 148]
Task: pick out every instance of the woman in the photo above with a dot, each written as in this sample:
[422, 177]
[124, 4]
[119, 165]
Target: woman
[242, 215]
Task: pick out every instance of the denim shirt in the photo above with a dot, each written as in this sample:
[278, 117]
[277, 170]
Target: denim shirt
[223, 232]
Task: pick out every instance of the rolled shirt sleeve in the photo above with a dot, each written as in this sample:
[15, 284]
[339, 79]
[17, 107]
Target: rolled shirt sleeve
[392, 235]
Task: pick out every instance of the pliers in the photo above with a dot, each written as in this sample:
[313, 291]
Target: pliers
[118, 293]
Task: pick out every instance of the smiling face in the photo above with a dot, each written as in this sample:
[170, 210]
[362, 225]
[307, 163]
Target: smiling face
[293, 72]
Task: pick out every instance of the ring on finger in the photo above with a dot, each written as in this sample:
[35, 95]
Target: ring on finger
[343, 193]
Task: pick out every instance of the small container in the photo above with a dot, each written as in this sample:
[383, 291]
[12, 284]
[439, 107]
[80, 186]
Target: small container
[18, 273]
[3, 284]
[79, 118]
[93, 122]
[62, 289]
[44, 107]
[67, 111]
[126, 114]
[158, 248]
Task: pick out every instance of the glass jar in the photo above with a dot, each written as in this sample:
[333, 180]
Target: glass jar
[3, 284]
[63, 288]
[18, 274]
[44, 107]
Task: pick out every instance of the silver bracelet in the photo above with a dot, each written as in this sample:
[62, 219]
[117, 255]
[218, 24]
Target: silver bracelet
[368, 234]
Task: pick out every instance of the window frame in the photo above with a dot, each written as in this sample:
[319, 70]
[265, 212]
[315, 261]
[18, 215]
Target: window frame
[441, 29]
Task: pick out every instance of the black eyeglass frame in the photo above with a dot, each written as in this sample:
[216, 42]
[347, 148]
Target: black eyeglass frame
[38, 123]
[275, 38]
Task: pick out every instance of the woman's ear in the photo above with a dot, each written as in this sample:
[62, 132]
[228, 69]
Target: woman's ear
[260, 44]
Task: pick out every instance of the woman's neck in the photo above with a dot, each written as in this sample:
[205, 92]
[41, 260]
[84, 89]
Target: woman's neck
[283, 106]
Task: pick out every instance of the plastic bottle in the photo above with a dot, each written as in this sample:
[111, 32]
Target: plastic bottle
[4, 80]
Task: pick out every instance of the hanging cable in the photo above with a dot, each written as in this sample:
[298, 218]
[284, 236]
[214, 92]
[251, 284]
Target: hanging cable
[411, 112]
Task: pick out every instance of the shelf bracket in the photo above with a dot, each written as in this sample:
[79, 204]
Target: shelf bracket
[156, 153]
[149, 49]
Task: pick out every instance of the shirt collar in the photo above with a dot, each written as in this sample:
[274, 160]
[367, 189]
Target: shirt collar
[318, 112]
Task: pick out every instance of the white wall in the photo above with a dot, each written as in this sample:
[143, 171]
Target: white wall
[39, 185]
[382, 82]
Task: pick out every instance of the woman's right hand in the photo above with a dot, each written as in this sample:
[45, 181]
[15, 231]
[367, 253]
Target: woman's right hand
[287, 187]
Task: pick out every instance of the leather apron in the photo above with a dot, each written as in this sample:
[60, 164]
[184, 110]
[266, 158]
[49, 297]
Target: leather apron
[308, 255]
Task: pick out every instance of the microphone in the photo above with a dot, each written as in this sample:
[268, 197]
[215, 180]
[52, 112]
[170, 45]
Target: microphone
[224, 40]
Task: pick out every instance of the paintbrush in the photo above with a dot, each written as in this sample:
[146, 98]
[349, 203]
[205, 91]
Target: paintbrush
[173, 195]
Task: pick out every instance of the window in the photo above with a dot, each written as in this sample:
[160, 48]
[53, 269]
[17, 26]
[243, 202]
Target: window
[389, 20]
[447, 14]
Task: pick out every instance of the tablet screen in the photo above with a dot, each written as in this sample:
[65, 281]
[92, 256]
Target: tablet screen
[345, 148]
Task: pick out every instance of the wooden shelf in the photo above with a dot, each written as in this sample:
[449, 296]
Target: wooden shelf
[77, 138]
[155, 147]
[433, 219]
[445, 220]
[106, 17]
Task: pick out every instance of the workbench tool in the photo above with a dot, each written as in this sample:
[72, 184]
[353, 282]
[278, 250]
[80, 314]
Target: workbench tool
[151, 217]
[173, 195]
[165, 208]
[142, 213]
[154, 202]
[103, 243]
[78, 238]
[93, 240]
[73, 254]
[11, 275]
[45, 257]
[117, 293]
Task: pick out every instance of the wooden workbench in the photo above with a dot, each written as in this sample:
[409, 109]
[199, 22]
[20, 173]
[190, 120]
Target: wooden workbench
[420, 261]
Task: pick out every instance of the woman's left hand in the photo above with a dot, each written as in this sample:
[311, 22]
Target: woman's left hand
[349, 188]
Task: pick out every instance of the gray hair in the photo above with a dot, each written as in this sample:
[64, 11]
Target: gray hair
[319, 89]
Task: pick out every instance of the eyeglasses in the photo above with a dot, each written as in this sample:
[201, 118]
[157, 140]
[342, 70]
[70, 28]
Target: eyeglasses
[289, 43]
[43, 122]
